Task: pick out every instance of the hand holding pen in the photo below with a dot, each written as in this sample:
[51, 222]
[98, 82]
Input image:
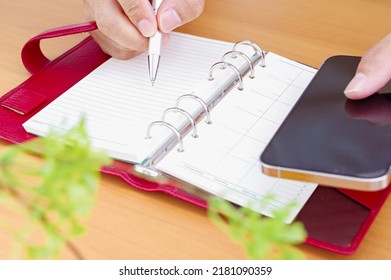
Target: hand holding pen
[124, 26]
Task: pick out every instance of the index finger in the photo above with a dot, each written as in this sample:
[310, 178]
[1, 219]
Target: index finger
[373, 71]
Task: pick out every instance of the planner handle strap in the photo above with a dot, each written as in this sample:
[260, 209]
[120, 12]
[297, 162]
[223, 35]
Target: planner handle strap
[32, 56]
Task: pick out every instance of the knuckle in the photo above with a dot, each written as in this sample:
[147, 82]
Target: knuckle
[131, 8]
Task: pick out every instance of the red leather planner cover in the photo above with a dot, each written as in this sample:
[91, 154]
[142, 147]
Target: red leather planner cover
[335, 219]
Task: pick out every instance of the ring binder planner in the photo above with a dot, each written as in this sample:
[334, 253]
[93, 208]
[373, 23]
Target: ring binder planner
[125, 96]
[118, 103]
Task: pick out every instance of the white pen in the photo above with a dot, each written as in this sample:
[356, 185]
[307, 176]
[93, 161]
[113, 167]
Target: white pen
[154, 48]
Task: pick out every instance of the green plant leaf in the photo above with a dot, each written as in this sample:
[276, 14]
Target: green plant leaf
[261, 237]
[54, 181]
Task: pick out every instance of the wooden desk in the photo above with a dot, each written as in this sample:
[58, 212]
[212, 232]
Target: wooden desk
[130, 224]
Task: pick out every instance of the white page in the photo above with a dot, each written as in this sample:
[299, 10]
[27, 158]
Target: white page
[119, 103]
[224, 159]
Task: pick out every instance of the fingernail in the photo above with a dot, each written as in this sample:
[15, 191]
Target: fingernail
[356, 84]
[146, 28]
[169, 20]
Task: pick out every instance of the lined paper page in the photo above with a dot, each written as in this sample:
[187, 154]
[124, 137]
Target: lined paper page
[224, 159]
[119, 103]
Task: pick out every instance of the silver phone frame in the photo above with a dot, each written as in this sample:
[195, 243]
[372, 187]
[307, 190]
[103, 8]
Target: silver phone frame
[328, 179]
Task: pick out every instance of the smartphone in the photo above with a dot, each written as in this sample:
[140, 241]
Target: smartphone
[331, 140]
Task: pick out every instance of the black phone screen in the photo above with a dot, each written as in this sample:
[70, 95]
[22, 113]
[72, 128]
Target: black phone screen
[325, 132]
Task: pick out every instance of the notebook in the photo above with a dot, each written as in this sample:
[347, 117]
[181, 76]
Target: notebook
[212, 110]
[335, 219]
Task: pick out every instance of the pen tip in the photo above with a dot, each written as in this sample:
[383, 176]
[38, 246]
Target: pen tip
[152, 83]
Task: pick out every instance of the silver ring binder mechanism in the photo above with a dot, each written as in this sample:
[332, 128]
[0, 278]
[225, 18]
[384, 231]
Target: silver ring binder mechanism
[186, 114]
[170, 126]
[147, 167]
[255, 47]
[234, 55]
[224, 64]
[206, 108]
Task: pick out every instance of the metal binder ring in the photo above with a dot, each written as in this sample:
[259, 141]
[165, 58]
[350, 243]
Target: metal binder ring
[234, 55]
[173, 129]
[186, 114]
[206, 109]
[233, 67]
[255, 47]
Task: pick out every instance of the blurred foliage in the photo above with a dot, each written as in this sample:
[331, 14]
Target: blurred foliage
[260, 236]
[49, 184]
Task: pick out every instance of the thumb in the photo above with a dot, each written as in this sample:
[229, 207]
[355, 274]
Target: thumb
[373, 71]
[174, 13]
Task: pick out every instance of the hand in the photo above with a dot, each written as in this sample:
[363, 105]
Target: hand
[373, 72]
[125, 25]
